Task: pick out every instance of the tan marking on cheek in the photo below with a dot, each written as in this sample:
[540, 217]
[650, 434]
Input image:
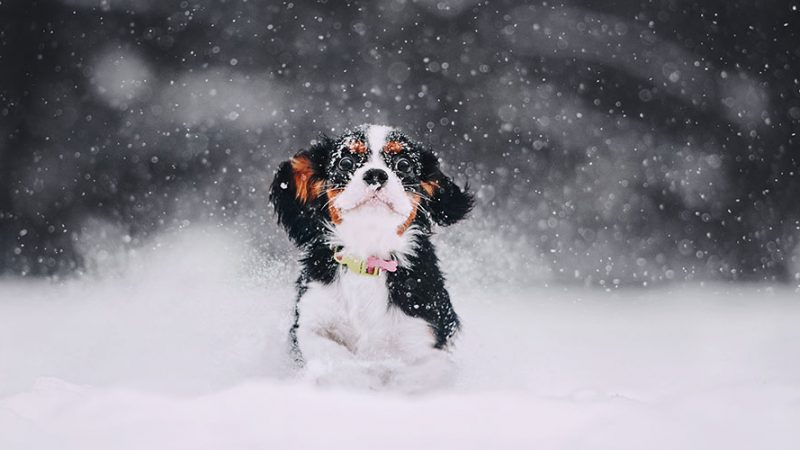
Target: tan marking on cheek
[357, 147]
[429, 187]
[336, 216]
[410, 219]
[316, 188]
[393, 147]
[305, 188]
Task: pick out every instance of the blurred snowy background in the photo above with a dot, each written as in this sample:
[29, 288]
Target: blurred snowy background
[648, 145]
[610, 143]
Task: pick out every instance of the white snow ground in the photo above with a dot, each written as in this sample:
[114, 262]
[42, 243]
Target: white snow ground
[181, 346]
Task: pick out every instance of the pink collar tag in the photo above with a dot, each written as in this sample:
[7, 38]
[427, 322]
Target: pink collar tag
[389, 266]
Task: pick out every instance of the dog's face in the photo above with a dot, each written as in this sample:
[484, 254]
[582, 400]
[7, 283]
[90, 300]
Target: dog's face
[375, 174]
[373, 178]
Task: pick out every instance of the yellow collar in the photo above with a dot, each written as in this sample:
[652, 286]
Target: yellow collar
[371, 267]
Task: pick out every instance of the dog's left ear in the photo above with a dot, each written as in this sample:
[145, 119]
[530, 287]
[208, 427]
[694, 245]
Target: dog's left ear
[296, 190]
[447, 202]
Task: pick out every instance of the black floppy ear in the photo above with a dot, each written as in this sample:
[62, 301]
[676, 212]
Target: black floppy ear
[295, 193]
[448, 203]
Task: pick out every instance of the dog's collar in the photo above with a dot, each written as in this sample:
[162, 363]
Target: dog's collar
[371, 267]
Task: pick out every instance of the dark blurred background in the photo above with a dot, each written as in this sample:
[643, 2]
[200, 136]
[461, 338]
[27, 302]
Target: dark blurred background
[609, 143]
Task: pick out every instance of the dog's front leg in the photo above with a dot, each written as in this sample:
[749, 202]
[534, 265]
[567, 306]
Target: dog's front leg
[326, 345]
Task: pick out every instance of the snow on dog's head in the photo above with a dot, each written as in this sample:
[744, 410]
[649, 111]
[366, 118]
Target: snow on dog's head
[368, 174]
[370, 189]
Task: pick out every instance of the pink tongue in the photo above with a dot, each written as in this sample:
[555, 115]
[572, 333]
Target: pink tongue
[389, 266]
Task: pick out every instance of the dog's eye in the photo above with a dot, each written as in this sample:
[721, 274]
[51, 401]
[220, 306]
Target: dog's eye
[346, 163]
[403, 165]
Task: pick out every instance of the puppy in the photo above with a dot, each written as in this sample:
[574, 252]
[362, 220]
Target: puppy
[372, 308]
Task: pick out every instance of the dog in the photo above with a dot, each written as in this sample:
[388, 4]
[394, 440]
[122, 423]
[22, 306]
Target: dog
[371, 308]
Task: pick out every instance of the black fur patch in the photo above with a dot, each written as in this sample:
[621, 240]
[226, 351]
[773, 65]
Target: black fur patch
[418, 290]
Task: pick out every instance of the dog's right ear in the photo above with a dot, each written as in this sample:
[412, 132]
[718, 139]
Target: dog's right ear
[447, 203]
[295, 193]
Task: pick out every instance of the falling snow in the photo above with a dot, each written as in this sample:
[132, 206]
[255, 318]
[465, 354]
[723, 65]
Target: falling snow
[628, 159]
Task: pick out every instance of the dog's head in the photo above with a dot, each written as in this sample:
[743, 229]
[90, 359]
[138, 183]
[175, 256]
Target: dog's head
[373, 176]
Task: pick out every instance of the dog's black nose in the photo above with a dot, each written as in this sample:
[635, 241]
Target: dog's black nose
[376, 177]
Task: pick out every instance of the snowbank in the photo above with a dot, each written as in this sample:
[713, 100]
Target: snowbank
[184, 349]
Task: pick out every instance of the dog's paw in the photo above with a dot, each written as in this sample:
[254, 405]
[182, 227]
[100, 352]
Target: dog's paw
[434, 371]
[348, 374]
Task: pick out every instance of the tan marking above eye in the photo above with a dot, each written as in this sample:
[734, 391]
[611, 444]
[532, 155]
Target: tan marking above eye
[394, 147]
[357, 147]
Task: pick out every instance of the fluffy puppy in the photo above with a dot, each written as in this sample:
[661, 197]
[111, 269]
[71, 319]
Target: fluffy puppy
[372, 308]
